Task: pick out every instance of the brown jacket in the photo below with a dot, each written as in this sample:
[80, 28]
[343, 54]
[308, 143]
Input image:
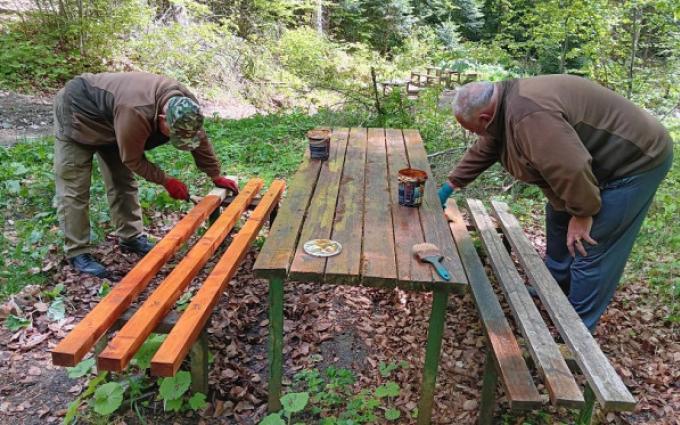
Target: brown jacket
[123, 108]
[568, 136]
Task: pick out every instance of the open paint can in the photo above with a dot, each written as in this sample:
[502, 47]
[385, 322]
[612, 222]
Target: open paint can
[319, 143]
[411, 187]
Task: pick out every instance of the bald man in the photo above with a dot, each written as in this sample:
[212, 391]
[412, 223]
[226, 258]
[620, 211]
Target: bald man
[597, 157]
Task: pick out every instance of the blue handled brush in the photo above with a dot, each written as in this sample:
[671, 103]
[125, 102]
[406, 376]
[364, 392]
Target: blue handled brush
[429, 253]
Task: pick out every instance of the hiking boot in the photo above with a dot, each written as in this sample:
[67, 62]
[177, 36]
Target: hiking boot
[85, 263]
[139, 245]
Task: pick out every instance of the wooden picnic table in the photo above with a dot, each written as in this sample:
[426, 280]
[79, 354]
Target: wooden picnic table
[353, 198]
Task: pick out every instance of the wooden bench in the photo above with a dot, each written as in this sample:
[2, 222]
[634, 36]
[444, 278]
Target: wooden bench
[505, 358]
[152, 316]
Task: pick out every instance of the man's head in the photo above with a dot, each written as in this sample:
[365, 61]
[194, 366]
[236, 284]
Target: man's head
[474, 105]
[182, 122]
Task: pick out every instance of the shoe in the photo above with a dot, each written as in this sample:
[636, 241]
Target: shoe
[139, 245]
[85, 263]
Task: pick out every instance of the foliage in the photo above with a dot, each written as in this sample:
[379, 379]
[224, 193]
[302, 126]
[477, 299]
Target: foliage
[329, 398]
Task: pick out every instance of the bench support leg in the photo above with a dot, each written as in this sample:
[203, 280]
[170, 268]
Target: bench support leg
[488, 396]
[586, 414]
[199, 364]
[434, 344]
[275, 343]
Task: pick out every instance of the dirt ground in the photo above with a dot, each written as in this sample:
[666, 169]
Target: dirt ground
[349, 327]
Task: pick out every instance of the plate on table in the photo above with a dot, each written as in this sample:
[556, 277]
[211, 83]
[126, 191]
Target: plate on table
[322, 247]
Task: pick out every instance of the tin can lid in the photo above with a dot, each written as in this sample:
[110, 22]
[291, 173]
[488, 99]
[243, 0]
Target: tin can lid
[322, 247]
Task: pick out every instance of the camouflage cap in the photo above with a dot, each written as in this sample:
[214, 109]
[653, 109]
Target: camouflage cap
[185, 120]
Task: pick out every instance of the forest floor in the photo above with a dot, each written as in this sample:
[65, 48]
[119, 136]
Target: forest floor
[349, 327]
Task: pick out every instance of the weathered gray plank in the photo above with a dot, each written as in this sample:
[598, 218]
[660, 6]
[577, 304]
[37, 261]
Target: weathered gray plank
[406, 220]
[610, 390]
[432, 217]
[277, 253]
[379, 267]
[345, 267]
[559, 381]
[321, 212]
[515, 377]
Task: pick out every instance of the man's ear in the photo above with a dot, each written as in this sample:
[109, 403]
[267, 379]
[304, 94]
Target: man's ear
[485, 117]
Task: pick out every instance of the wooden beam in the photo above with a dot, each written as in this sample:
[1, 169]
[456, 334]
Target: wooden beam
[277, 253]
[320, 215]
[169, 357]
[547, 357]
[515, 376]
[610, 390]
[345, 268]
[85, 335]
[125, 344]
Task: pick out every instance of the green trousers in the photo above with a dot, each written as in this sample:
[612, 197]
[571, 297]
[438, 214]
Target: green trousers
[73, 174]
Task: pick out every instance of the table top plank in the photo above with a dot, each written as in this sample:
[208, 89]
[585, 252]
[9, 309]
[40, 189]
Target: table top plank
[349, 213]
[318, 223]
[610, 390]
[406, 220]
[559, 381]
[379, 263]
[432, 215]
[515, 376]
[277, 253]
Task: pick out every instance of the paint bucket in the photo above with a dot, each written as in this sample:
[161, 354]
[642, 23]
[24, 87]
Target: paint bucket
[411, 187]
[319, 143]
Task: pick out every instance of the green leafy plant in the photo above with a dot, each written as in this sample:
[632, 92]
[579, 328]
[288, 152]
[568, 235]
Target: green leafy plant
[14, 323]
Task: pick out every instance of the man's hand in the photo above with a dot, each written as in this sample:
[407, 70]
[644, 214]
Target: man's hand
[579, 231]
[176, 189]
[226, 183]
[444, 192]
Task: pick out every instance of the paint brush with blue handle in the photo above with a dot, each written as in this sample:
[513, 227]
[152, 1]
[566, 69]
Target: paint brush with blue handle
[429, 253]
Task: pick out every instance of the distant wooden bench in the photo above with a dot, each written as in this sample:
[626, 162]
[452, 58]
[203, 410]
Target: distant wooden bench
[185, 330]
[504, 357]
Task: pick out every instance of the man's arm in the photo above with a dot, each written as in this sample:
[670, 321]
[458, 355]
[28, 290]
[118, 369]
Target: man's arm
[132, 130]
[205, 158]
[480, 156]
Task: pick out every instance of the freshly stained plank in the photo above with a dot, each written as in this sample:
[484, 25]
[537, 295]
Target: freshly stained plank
[559, 381]
[319, 220]
[602, 377]
[176, 346]
[277, 253]
[406, 220]
[128, 340]
[516, 379]
[84, 336]
[379, 265]
[432, 216]
[349, 213]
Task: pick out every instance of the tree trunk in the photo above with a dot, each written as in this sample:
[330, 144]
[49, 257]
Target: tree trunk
[635, 36]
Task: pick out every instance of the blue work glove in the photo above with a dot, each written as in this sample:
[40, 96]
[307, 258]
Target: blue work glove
[444, 192]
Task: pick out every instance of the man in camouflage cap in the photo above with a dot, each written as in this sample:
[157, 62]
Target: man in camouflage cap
[117, 117]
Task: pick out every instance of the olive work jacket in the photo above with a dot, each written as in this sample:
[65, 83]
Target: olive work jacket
[568, 136]
[122, 109]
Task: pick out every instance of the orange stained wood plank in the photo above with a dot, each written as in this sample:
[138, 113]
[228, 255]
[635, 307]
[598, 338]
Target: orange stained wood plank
[174, 349]
[435, 226]
[349, 213]
[321, 212]
[82, 338]
[277, 253]
[127, 341]
[379, 264]
[406, 220]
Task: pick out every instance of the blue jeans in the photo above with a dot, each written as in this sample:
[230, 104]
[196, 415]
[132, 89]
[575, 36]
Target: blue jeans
[590, 281]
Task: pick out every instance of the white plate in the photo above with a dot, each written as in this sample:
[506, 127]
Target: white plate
[322, 247]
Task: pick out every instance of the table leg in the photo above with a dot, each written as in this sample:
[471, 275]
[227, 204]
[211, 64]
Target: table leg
[275, 343]
[434, 344]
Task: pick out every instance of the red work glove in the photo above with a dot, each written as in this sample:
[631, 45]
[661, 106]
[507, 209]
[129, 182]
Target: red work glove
[226, 183]
[176, 189]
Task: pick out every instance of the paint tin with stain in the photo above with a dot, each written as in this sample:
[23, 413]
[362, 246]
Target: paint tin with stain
[411, 187]
[319, 143]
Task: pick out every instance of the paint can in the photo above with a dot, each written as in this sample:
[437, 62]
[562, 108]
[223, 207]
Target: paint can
[319, 143]
[411, 187]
